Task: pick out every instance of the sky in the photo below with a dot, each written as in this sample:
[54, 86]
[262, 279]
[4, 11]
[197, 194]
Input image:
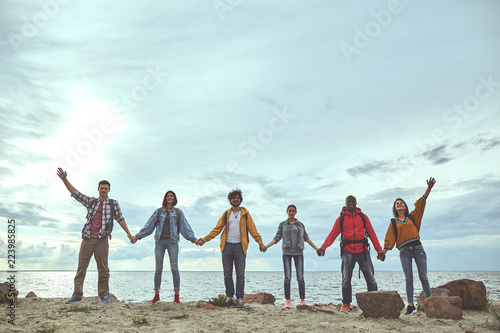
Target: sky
[301, 102]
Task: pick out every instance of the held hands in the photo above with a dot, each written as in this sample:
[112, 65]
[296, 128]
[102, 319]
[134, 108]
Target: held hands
[320, 252]
[262, 248]
[199, 242]
[133, 239]
[381, 256]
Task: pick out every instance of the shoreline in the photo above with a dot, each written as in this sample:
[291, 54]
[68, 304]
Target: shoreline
[37, 313]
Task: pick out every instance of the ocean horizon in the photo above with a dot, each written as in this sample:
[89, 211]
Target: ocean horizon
[321, 287]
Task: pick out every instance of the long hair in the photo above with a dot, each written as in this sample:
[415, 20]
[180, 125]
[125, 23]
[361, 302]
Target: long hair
[164, 204]
[395, 212]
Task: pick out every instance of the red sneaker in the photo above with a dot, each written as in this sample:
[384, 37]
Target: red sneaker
[176, 299]
[155, 299]
[344, 308]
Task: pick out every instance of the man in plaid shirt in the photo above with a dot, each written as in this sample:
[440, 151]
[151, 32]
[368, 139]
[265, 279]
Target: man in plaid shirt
[95, 233]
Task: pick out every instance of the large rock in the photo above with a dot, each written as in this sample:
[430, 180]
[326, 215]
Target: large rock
[380, 304]
[472, 293]
[8, 293]
[31, 294]
[434, 292]
[444, 307]
[262, 298]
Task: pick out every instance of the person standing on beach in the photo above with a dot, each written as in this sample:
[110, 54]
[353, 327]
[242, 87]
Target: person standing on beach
[404, 233]
[353, 226]
[235, 225]
[95, 233]
[294, 235]
[169, 221]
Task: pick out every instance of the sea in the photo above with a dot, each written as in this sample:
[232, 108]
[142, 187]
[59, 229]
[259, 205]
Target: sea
[321, 287]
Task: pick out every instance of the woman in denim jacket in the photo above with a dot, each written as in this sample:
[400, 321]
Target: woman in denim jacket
[294, 234]
[169, 222]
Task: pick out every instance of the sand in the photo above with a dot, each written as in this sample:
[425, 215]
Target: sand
[34, 314]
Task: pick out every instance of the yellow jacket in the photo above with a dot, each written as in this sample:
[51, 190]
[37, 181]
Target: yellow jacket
[408, 231]
[246, 226]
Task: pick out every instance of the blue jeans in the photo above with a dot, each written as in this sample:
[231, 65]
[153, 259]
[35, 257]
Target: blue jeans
[405, 255]
[233, 254]
[348, 261]
[173, 255]
[299, 270]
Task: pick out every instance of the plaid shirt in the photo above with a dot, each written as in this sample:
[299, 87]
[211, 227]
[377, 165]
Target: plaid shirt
[106, 213]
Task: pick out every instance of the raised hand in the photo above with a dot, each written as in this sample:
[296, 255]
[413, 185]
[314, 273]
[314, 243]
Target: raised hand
[430, 182]
[61, 173]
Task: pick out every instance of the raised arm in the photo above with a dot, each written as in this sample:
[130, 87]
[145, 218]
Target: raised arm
[430, 183]
[64, 177]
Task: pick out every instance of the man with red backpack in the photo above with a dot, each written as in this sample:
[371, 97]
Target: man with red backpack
[354, 227]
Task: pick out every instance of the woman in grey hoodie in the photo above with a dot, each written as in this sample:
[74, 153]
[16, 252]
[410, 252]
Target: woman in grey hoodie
[294, 235]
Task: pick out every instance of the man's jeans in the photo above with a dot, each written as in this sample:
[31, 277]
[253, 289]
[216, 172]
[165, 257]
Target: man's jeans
[405, 255]
[98, 247]
[173, 255]
[348, 261]
[299, 270]
[233, 254]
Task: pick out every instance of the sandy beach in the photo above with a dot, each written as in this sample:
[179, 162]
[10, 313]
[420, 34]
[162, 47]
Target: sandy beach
[36, 314]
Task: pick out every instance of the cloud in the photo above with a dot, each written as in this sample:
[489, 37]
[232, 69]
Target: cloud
[370, 168]
[435, 155]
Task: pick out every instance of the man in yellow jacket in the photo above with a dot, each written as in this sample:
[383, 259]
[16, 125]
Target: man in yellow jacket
[235, 225]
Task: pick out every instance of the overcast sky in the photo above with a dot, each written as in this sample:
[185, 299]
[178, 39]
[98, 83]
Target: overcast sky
[294, 102]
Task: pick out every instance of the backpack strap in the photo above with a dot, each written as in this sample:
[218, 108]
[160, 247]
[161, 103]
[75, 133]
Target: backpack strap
[110, 224]
[342, 241]
[395, 227]
[158, 217]
[178, 219]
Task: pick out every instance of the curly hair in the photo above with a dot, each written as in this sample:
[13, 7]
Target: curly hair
[233, 193]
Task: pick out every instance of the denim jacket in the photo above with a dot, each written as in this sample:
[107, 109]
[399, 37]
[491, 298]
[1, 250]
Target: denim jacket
[285, 233]
[155, 222]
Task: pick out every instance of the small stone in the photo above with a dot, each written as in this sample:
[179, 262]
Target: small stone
[262, 298]
[206, 306]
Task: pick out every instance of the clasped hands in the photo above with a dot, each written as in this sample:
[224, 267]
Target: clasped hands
[201, 241]
[380, 256]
